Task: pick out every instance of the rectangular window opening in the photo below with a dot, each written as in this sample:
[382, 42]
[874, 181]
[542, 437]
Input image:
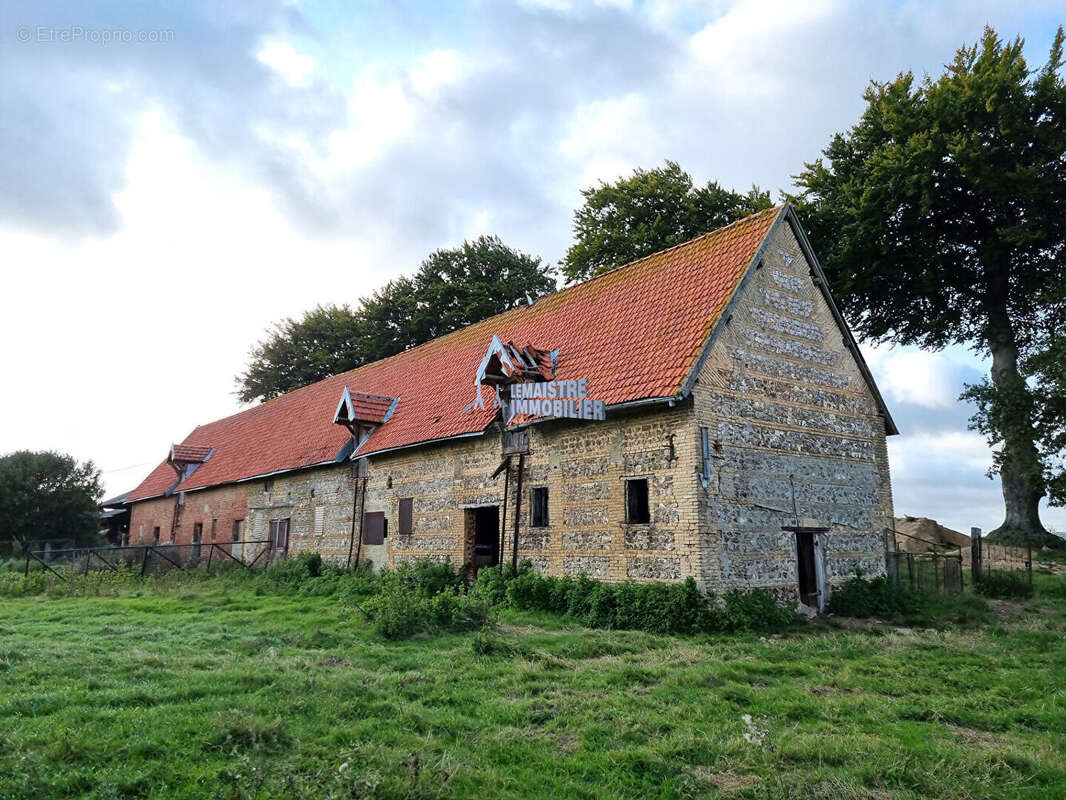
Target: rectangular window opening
[375, 528]
[637, 510]
[538, 502]
[406, 515]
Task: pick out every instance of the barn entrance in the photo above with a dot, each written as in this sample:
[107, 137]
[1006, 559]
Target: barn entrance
[483, 536]
[809, 566]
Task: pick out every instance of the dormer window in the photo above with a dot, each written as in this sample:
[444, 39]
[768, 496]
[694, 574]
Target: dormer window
[185, 459]
[361, 413]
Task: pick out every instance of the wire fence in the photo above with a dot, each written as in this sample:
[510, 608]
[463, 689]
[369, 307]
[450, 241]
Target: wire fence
[249, 554]
[923, 564]
[986, 560]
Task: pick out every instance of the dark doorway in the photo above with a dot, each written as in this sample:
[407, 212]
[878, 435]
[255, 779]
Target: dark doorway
[486, 536]
[808, 578]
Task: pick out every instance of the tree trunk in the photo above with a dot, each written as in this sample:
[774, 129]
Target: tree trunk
[1020, 472]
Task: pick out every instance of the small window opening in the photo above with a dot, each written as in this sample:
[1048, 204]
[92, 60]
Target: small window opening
[538, 507]
[268, 485]
[214, 529]
[155, 535]
[238, 529]
[637, 510]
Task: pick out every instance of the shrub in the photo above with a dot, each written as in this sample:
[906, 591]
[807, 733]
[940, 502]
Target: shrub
[13, 584]
[655, 606]
[755, 610]
[398, 612]
[869, 597]
[491, 584]
[1004, 585]
[293, 572]
[425, 576]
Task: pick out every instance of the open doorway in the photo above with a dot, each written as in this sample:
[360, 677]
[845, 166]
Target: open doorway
[809, 566]
[483, 536]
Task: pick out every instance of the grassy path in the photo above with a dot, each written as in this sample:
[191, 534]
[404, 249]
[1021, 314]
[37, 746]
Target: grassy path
[228, 694]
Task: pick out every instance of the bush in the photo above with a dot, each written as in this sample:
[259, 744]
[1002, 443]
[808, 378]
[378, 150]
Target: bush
[1004, 585]
[755, 610]
[869, 597]
[398, 612]
[293, 572]
[425, 576]
[13, 584]
[654, 606]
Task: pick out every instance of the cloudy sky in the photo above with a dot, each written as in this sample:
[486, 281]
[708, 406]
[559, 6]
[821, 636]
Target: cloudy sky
[174, 177]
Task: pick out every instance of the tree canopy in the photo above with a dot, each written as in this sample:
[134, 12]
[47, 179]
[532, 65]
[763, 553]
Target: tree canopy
[939, 220]
[647, 212]
[452, 288]
[48, 496]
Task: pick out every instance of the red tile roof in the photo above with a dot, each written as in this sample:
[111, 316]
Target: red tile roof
[634, 332]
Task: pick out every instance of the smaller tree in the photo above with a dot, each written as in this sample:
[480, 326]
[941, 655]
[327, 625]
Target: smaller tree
[460, 286]
[48, 496]
[649, 211]
[297, 352]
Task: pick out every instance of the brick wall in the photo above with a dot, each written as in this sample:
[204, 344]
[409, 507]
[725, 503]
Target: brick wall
[219, 506]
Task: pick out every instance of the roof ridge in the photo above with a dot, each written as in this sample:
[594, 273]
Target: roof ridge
[778, 208]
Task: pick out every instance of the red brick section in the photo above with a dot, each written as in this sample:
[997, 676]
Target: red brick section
[634, 332]
[224, 504]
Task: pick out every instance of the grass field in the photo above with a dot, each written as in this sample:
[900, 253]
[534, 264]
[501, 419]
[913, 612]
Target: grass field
[219, 692]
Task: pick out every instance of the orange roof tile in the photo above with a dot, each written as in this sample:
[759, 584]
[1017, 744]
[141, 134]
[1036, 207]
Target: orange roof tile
[634, 332]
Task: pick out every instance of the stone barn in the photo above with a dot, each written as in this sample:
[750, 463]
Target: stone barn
[701, 412]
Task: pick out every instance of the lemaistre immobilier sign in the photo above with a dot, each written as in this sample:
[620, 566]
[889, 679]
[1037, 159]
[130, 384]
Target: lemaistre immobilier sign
[524, 382]
[556, 399]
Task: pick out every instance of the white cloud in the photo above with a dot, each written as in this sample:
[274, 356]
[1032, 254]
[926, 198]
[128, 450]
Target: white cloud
[296, 69]
[435, 70]
[743, 51]
[916, 376]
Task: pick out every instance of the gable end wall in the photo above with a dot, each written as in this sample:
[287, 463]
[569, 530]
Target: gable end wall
[789, 414]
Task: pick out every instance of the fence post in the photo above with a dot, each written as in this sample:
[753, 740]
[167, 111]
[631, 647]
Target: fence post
[26, 572]
[975, 554]
[1029, 561]
[210, 552]
[144, 563]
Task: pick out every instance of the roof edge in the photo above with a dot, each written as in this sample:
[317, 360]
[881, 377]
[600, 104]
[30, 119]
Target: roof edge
[849, 337]
[727, 312]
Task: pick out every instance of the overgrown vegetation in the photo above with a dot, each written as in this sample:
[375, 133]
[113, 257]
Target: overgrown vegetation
[875, 597]
[1001, 585]
[654, 607]
[271, 685]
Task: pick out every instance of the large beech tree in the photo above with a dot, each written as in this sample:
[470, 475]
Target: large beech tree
[941, 218]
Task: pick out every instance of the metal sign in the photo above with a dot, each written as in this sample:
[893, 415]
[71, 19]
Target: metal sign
[524, 382]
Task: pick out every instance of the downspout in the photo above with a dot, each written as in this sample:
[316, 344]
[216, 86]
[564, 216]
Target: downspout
[503, 516]
[517, 513]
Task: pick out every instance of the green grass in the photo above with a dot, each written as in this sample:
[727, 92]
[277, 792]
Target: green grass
[210, 690]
